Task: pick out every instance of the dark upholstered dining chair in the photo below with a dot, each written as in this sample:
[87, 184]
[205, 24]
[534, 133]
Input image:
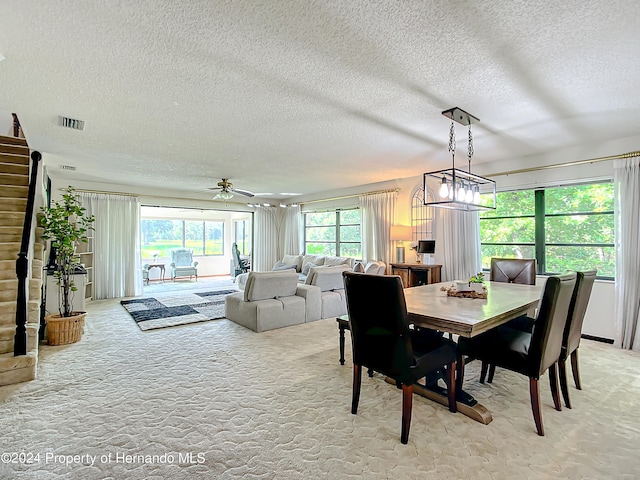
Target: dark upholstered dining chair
[530, 354]
[509, 270]
[513, 270]
[383, 342]
[572, 331]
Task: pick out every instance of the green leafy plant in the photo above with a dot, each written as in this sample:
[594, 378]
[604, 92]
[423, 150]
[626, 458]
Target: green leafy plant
[66, 224]
[477, 278]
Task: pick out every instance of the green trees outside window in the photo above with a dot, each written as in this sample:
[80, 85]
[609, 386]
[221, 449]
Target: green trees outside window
[333, 233]
[159, 237]
[564, 228]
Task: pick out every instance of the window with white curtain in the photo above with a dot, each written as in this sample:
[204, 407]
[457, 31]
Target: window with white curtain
[335, 232]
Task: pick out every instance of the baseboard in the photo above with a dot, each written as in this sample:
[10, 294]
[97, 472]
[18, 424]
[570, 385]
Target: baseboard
[597, 339]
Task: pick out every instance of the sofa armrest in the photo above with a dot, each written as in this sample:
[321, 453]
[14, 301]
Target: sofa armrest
[313, 301]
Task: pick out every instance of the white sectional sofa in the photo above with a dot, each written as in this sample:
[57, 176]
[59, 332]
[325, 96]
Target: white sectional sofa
[287, 296]
[269, 300]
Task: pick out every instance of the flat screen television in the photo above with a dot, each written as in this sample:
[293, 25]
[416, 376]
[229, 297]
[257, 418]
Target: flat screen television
[427, 246]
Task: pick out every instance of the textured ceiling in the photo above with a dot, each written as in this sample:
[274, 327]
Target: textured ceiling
[308, 96]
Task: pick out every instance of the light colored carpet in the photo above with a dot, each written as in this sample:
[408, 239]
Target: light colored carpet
[276, 405]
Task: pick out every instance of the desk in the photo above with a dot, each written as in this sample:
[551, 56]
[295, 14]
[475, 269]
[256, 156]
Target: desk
[414, 274]
[430, 307]
[159, 266]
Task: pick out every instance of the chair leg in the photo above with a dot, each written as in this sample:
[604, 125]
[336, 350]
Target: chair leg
[553, 383]
[407, 404]
[459, 373]
[357, 380]
[492, 372]
[562, 371]
[451, 387]
[483, 371]
[534, 392]
[575, 369]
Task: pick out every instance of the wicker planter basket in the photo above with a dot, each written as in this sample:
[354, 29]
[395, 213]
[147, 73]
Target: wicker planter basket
[65, 330]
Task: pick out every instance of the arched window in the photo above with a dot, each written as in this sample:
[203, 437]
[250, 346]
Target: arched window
[422, 216]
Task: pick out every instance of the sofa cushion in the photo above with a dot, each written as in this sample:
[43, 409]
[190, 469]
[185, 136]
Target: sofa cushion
[264, 285]
[327, 278]
[282, 266]
[331, 261]
[315, 259]
[375, 268]
[307, 266]
[295, 260]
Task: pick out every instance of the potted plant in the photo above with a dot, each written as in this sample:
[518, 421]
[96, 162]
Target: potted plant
[65, 224]
[476, 282]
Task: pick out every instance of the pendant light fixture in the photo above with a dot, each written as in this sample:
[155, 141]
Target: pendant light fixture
[457, 189]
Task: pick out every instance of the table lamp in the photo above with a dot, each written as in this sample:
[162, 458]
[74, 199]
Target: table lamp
[399, 234]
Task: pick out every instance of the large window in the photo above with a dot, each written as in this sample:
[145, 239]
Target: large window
[160, 236]
[563, 228]
[242, 236]
[333, 233]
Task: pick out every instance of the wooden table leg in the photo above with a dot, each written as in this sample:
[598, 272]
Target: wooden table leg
[477, 412]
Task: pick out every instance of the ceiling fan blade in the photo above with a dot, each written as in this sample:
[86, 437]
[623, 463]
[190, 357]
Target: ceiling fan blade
[246, 193]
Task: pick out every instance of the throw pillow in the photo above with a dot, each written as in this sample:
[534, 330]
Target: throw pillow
[308, 266]
[282, 266]
[358, 267]
[294, 260]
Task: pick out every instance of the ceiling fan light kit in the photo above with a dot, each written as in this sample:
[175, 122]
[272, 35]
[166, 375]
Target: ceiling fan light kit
[457, 189]
[227, 190]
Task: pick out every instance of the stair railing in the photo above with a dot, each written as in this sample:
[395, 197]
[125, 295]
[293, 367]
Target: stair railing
[22, 264]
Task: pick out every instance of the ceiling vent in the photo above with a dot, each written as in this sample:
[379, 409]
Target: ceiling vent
[71, 123]
[68, 167]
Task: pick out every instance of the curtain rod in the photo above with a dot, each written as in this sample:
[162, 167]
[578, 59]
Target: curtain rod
[348, 196]
[569, 164]
[80, 190]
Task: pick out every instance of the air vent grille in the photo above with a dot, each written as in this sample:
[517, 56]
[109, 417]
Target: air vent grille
[72, 123]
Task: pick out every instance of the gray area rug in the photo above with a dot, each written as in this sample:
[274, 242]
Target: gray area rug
[180, 309]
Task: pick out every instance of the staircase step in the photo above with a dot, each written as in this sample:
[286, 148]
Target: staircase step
[18, 369]
[7, 269]
[14, 179]
[5, 140]
[15, 169]
[7, 337]
[12, 219]
[14, 149]
[8, 312]
[9, 159]
[11, 234]
[14, 191]
[8, 290]
[13, 204]
[9, 250]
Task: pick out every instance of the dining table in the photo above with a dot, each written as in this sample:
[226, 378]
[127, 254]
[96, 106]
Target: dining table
[431, 306]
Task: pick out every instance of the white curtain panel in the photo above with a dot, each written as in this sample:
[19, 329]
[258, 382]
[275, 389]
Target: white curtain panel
[378, 214]
[627, 219]
[266, 239]
[117, 269]
[293, 231]
[457, 243]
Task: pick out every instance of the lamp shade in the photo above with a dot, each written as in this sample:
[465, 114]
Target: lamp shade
[401, 232]
[427, 246]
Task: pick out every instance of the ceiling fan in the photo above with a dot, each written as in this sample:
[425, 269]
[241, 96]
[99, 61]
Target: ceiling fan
[227, 190]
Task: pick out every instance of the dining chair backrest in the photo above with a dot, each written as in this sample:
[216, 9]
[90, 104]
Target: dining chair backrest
[513, 270]
[577, 309]
[379, 322]
[548, 329]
